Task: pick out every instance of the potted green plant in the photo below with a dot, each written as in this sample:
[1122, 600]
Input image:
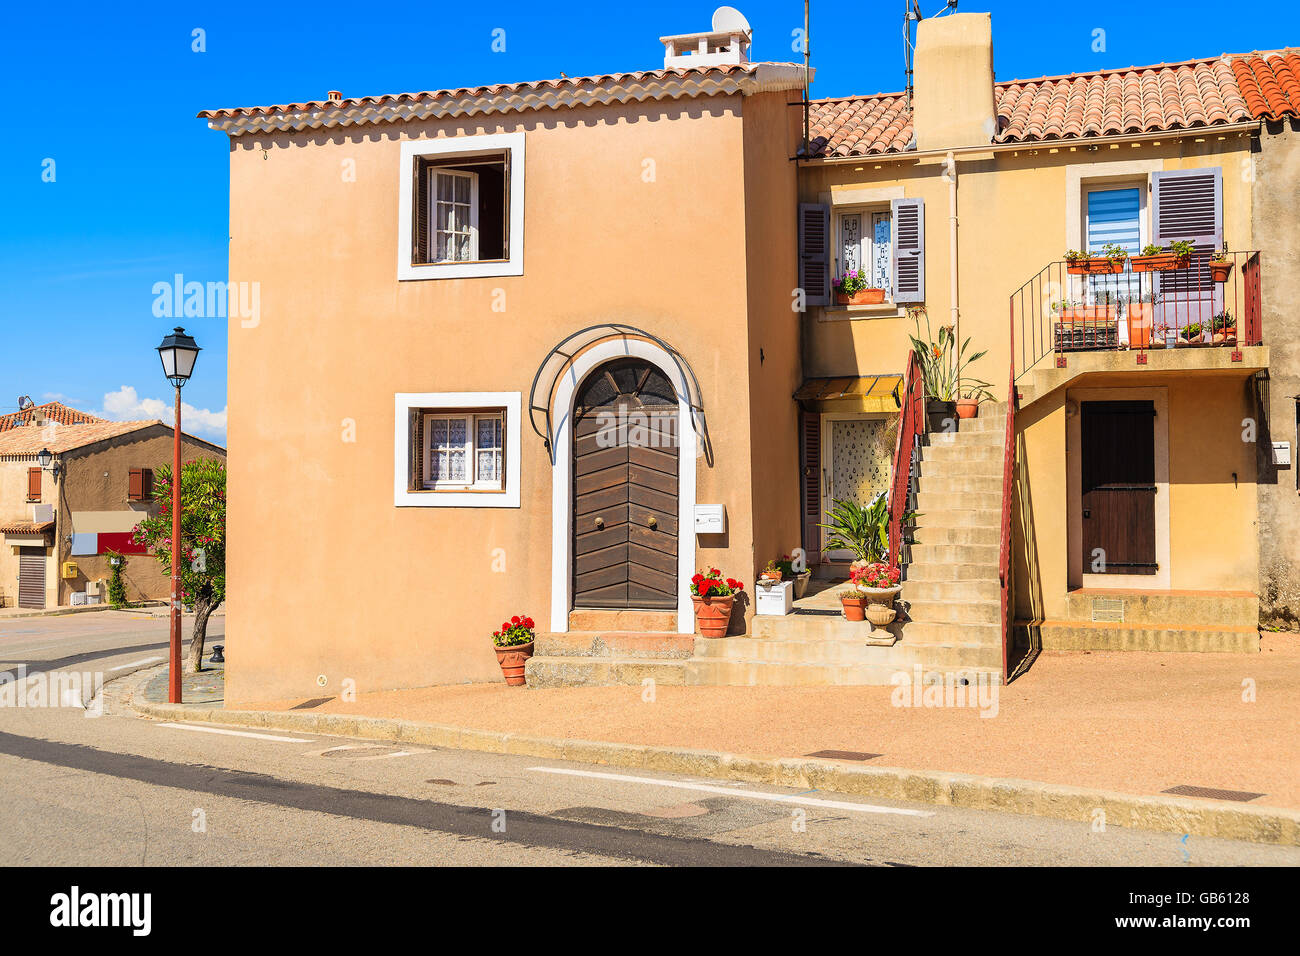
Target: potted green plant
[785, 564]
[1154, 258]
[1224, 328]
[852, 288]
[863, 532]
[1110, 261]
[514, 645]
[942, 362]
[1220, 265]
[1191, 334]
[713, 597]
[972, 393]
[771, 573]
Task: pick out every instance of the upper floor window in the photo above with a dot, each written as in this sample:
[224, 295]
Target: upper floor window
[462, 207]
[866, 247]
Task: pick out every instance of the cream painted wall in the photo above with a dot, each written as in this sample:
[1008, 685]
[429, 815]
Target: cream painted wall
[326, 576]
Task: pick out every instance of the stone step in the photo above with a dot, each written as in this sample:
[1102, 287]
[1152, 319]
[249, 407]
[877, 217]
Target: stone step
[1087, 636]
[806, 627]
[838, 652]
[1163, 608]
[573, 671]
[954, 612]
[929, 555]
[727, 673]
[957, 592]
[952, 468]
[624, 644]
[986, 421]
[961, 451]
[957, 517]
[932, 632]
[588, 619]
[968, 437]
[962, 485]
[932, 570]
[963, 536]
[929, 501]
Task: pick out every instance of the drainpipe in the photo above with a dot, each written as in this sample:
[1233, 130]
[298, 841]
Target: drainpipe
[950, 173]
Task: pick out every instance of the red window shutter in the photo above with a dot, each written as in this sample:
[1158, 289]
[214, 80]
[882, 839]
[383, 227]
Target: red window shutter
[810, 482]
[33, 484]
[135, 488]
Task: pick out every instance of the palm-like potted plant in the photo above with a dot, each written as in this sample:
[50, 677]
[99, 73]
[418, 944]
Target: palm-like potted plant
[863, 532]
[514, 645]
[942, 361]
[714, 596]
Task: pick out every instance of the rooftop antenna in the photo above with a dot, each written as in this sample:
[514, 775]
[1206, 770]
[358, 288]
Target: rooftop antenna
[807, 52]
[910, 17]
[24, 402]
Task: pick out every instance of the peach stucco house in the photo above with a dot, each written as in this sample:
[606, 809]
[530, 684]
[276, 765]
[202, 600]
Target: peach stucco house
[475, 282]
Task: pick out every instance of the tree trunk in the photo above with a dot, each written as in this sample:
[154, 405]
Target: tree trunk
[202, 611]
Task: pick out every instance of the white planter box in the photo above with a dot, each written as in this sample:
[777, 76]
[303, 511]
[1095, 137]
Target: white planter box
[776, 601]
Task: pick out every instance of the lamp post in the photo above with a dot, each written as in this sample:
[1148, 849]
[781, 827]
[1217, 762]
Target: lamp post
[178, 353]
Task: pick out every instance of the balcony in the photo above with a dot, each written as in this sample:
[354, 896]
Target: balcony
[1161, 313]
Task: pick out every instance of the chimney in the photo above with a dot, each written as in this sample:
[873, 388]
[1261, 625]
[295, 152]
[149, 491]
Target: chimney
[953, 103]
[727, 43]
[335, 96]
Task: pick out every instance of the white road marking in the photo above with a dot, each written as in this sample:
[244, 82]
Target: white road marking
[398, 753]
[237, 733]
[727, 791]
[147, 660]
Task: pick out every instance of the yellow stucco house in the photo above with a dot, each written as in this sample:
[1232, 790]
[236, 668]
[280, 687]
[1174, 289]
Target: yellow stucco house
[474, 283]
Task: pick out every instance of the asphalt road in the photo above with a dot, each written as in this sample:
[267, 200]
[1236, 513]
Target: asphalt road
[122, 790]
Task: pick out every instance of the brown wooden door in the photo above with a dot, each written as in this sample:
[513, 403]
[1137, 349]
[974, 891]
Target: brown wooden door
[625, 460]
[31, 577]
[1119, 487]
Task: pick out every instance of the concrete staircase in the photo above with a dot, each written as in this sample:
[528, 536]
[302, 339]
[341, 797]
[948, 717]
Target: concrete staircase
[952, 586]
[1133, 620]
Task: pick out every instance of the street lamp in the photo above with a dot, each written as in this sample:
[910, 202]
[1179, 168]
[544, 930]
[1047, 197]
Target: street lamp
[178, 353]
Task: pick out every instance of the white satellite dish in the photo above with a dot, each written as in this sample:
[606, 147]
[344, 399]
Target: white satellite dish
[730, 20]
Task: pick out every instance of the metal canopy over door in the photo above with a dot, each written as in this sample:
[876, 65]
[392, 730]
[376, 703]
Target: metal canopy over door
[31, 577]
[1119, 487]
[625, 467]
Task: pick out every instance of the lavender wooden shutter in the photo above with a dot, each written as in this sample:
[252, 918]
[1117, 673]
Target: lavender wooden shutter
[1187, 204]
[909, 250]
[814, 252]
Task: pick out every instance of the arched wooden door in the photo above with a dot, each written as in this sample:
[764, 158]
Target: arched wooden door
[625, 468]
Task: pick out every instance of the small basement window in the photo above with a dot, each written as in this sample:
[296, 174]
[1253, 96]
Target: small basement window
[462, 207]
[457, 449]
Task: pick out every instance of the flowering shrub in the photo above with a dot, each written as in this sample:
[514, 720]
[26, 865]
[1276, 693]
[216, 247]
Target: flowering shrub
[518, 630]
[875, 575]
[851, 283]
[703, 585]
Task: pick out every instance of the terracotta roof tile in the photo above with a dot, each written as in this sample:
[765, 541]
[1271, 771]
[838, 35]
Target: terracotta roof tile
[1232, 88]
[54, 411]
[26, 527]
[29, 439]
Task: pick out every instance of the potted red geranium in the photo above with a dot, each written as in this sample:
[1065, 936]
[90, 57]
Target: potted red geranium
[876, 584]
[514, 645]
[714, 597]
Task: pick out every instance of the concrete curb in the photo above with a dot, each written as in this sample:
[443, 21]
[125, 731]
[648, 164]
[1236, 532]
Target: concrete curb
[1204, 818]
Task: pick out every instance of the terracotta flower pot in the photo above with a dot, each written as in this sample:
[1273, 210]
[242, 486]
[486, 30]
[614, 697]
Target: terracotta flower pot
[512, 661]
[968, 407]
[863, 297]
[713, 614]
[1093, 267]
[1141, 316]
[854, 608]
[1219, 271]
[770, 576]
[1161, 262]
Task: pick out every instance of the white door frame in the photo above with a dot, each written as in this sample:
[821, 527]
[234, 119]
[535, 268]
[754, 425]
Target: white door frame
[583, 363]
[827, 480]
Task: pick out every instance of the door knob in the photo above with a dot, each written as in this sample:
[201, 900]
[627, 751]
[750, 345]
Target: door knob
[600, 523]
[653, 522]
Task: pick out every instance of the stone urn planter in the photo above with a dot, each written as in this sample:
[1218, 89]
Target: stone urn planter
[512, 661]
[713, 614]
[883, 596]
[801, 584]
[880, 615]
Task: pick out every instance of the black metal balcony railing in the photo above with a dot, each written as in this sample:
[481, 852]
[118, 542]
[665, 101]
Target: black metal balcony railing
[1138, 304]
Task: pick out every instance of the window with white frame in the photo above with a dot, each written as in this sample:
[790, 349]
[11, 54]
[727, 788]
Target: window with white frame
[462, 207]
[865, 245]
[457, 449]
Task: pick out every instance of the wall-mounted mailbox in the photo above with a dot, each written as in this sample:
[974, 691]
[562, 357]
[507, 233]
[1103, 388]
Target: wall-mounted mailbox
[69, 569]
[710, 519]
[1282, 453]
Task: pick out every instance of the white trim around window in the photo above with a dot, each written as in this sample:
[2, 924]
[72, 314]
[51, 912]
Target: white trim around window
[466, 146]
[469, 407]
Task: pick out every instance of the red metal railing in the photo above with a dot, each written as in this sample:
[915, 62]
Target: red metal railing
[911, 425]
[1008, 486]
[1084, 307]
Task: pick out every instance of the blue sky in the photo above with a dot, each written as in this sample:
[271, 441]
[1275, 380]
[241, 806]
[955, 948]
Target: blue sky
[139, 190]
